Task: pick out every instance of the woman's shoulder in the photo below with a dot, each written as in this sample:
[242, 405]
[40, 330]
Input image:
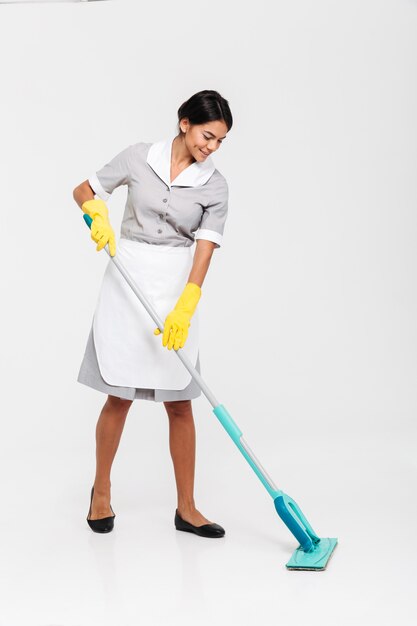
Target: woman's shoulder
[140, 148]
[217, 182]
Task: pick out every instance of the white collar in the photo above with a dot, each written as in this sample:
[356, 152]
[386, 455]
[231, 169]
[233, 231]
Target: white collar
[159, 158]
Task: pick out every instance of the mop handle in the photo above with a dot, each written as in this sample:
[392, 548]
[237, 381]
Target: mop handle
[154, 315]
[219, 410]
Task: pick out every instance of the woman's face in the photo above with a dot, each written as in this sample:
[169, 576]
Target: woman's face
[203, 139]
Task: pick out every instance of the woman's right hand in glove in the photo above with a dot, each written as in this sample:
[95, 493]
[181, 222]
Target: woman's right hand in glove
[101, 231]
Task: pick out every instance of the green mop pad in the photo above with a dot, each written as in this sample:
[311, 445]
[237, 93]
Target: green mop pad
[316, 559]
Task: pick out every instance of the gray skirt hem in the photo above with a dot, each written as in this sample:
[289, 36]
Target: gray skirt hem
[90, 375]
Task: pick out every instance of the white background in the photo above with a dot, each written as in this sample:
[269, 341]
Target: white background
[308, 313]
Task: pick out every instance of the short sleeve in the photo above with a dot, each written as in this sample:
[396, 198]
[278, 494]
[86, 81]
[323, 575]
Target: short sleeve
[214, 216]
[115, 173]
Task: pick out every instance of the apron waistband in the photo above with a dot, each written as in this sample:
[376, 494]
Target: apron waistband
[156, 247]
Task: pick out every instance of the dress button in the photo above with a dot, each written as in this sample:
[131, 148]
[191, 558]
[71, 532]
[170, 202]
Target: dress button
[165, 200]
[161, 215]
[159, 230]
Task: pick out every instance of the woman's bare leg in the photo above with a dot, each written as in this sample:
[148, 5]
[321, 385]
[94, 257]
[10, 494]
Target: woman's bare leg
[182, 448]
[108, 432]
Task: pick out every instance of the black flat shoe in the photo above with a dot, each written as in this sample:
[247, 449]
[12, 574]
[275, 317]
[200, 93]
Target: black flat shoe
[206, 530]
[102, 525]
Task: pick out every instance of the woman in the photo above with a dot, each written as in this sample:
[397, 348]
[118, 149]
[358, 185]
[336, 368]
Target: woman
[175, 196]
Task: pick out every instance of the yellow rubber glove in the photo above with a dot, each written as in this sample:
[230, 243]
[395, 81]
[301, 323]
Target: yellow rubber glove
[101, 231]
[178, 321]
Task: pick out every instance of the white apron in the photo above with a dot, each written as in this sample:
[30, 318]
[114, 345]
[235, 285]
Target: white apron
[128, 353]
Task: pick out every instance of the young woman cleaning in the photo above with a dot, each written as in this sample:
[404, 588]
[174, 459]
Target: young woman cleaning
[175, 196]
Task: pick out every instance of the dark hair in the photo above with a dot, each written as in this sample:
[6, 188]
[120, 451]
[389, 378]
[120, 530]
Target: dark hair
[205, 106]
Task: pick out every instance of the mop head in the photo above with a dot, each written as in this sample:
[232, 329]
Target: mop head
[316, 559]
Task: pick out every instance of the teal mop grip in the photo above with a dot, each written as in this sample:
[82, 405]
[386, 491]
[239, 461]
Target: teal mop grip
[88, 220]
[228, 423]
[235, 433]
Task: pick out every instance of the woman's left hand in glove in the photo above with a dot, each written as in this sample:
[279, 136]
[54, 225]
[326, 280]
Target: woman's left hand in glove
[178, 321]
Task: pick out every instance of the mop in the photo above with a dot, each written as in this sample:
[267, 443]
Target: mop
[314, 552]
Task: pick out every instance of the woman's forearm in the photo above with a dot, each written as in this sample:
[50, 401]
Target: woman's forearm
[82, 193]
[201, 262]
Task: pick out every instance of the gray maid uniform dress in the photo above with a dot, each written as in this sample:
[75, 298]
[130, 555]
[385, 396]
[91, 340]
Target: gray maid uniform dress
[159, 212]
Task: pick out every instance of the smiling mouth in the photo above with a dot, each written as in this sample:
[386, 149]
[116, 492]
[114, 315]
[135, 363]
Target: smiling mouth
[204, 152]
